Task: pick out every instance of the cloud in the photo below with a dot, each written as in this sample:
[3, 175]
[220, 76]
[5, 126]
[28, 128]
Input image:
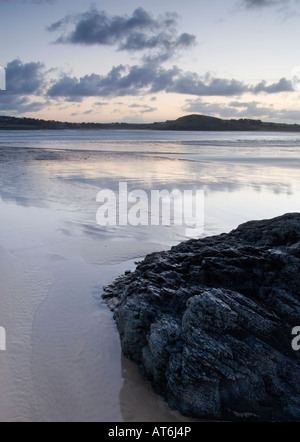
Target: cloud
[234, 109]
[120, 81]
[101, 103]
[283, 85]
[150, 78]
[20, 105]
[255, 4]
[282, 5]
[24, 78]
[134, 33]
[22, 81]
[97, 27]
[290, 115]
[193, 84]
[143, 108]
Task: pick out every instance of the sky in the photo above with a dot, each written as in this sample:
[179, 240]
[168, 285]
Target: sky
[145, 61]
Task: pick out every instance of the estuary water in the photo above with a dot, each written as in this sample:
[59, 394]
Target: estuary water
[63, 360]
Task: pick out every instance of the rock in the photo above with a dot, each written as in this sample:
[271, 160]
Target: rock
[210, 322]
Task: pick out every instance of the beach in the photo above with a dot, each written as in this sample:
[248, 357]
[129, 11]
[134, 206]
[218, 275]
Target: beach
[63, 360]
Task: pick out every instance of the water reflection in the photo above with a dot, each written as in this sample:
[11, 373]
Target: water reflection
[70, 181]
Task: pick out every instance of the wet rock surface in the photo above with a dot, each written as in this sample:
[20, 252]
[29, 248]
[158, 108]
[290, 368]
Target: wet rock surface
[209, 322]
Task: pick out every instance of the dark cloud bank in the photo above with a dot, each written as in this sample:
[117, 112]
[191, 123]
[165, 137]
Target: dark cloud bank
[138, 32]
[148, 79]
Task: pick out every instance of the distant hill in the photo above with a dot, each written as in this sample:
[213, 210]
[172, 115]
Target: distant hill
[186, 123]
[205, 123]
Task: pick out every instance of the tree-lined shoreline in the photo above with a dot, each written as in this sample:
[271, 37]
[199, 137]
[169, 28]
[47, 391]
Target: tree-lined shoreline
[186, 123]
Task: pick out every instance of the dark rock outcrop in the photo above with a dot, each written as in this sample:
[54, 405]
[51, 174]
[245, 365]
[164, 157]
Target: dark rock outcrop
[210, 322]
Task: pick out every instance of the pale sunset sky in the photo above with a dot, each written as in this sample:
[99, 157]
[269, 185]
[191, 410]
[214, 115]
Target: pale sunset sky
[144, 61]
